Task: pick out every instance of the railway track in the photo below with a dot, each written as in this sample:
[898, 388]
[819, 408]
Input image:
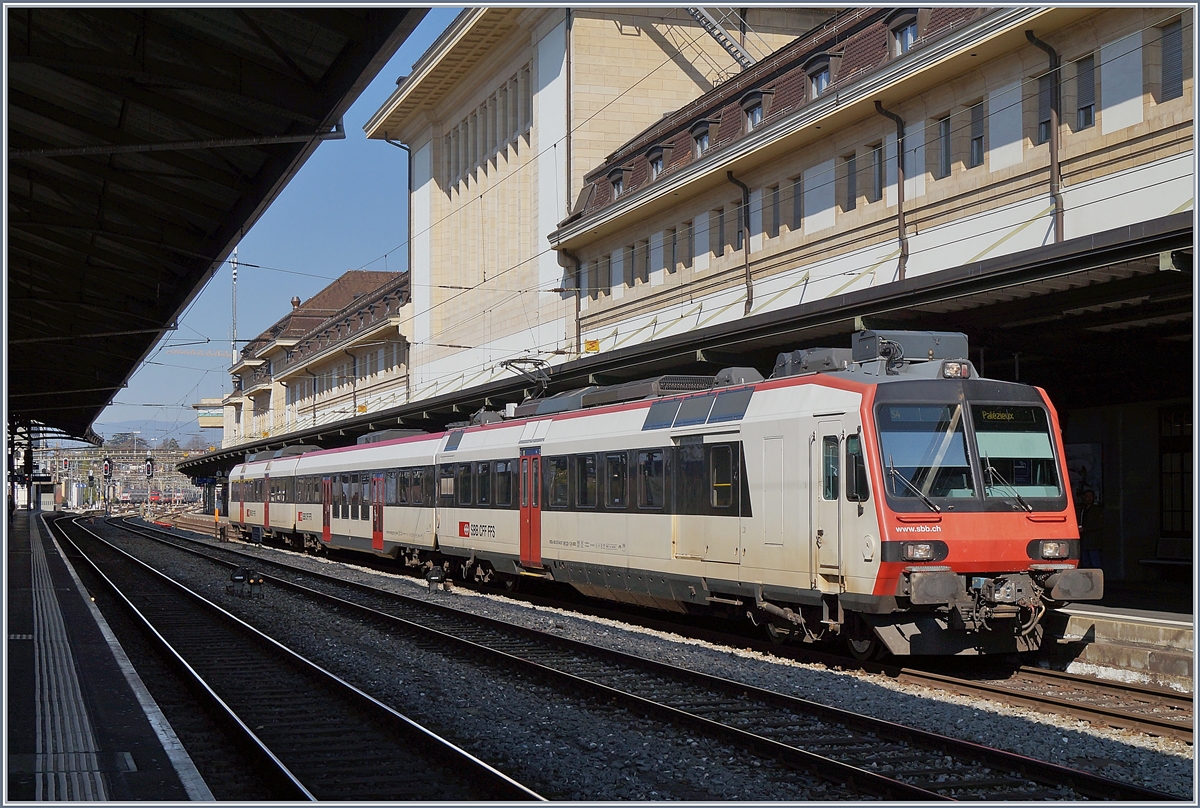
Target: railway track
[874, 757]
[319, 737]
[1153, 711]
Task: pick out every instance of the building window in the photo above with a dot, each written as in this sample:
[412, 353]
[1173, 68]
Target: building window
[903, 36]
[1045, 88]
[754, 116]
[699, 140]
[656, 158]
[717, 235]
[1085, 92]
[1172, 60]
[851, 200]
[771, 217]
[943, 147]
[877, 172]
[739, 226]
[689, 243]
[976, 156]
[1175, 459]
[797, 195]
[819, 81]
[617, 178]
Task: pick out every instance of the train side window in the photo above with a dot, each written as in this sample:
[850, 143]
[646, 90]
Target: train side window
[650, 476]
[416, 494]
[694, 410]
[355, 496]
[721, 476]
[830, 468]
[730, 405]
[345, 496]
[390, 495]
[857, 489]
[504, 483]
[661, 414]
[368, 496]
[585, 481]
[691, 476]
[403, 483]
[558, 480]
[464, 484]
[615, 466]
[446, 485]
[483, 483]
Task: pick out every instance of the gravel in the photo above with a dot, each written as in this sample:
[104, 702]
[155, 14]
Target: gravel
[567, 749]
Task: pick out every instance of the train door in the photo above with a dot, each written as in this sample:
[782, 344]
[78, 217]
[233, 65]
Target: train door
[377, 511]
[531, 510]
[326, 507]
[266, 489]
[827, 475]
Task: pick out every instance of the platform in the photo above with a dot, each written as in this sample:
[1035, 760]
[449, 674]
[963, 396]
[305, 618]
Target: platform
[81, 724]
[1140, 633]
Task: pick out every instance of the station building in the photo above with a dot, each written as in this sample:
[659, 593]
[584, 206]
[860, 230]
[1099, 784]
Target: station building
[336, 355]
[611, 194]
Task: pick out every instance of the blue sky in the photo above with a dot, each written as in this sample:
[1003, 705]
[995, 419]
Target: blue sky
[347, 208]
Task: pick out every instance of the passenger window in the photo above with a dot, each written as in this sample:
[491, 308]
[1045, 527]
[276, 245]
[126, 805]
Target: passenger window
[446, 488]
[464, 484]
[403, 482]
[614, 480]
[856, 471]
[694, 410]
[416, 494]
[365, 513]
[504, 482]
[830, 467]
[558, 481]
[483, 483]
[585, 481]
[650, 475]
[721, 474]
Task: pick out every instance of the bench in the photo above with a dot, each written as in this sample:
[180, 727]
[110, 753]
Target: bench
[1172, 554]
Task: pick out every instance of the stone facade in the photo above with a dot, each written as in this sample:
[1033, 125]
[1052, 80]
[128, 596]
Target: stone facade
[504, 115]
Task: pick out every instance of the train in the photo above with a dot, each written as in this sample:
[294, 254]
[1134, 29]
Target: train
[884, 496]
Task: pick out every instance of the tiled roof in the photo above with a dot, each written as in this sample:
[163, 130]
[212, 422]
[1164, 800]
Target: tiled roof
[856, 41]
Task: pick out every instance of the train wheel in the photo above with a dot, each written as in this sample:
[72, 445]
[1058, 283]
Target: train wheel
[865, 649]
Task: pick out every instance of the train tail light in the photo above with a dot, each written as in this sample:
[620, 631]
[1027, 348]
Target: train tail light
[956, 370]
[918, 551]
[1056, 549]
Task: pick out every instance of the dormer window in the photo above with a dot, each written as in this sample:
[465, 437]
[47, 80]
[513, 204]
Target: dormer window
[617, 178]
[656, 159]
[820, 81]
[753, 107]
[819, 70]
[902, 28]
[700, 139]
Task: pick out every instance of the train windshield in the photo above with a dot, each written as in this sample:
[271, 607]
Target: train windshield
[1016, 451]
[925, 451]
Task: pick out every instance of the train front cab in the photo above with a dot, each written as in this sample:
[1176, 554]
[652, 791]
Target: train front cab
[977, 521]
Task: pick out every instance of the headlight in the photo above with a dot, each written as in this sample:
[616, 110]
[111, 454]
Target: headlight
[1056, 549]
[918, 552]
[956, 370]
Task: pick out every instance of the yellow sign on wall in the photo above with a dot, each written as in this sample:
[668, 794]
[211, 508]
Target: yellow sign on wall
[591, 346]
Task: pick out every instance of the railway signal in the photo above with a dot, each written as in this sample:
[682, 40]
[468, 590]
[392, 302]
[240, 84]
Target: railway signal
[149, 467]
[107, 468]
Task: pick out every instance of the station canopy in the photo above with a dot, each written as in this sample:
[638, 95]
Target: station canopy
[142, 143]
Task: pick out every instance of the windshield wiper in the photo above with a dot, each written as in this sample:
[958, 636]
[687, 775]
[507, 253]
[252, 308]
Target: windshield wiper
[897, 475]
[995, 474]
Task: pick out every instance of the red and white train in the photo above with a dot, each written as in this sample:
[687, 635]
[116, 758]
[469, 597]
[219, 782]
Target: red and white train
[883, 494]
